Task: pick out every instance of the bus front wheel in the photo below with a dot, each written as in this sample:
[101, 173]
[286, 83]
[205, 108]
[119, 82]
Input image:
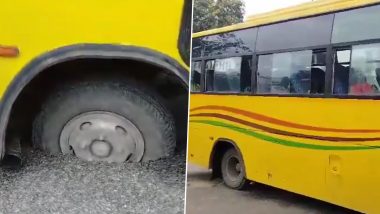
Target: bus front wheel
[233, 170]
[105, 120]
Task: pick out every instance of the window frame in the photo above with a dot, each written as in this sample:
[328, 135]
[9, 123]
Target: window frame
[349, 9]
[312, 48]
[204, 81]
[349, 45]
[191, 76]
[290, 20]
[329, 76]
[226, 55]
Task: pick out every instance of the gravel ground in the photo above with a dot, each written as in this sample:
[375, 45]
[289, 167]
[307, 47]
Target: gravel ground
[206, 195]
[65, 184]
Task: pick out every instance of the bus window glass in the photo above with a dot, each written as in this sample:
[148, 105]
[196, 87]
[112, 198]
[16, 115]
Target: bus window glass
[318, 70]
[246, 74]
[364, 78]
[196, 76]
[344, 56]
[226, 75]
[264, 73]
[341, 71]
[210, 68]
[355, 25]
[197, 48]
[285, 73]
[300, 33]
[241, 41]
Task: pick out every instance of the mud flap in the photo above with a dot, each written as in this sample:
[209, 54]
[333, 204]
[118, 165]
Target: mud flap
[12, 158]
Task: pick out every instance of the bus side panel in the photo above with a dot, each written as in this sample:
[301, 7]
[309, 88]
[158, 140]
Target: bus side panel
[352, 179]
[323, 148]
[200, 145]
[38, 27]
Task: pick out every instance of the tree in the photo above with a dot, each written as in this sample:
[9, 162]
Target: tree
[202, 15]
[210, 14]
[228, 12]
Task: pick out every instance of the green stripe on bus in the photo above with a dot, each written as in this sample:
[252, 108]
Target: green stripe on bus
[282, 141]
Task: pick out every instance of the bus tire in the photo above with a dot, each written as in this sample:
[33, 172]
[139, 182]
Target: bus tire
[121, 121]
[233, 170]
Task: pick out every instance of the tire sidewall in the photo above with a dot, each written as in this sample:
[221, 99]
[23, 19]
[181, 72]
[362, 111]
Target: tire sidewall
[152, 119]
[241, 181]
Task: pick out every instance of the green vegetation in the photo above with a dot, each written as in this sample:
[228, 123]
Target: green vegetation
[209, 14]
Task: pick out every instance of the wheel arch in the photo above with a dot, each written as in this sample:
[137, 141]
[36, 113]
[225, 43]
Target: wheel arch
[221, 145]
[75, 52]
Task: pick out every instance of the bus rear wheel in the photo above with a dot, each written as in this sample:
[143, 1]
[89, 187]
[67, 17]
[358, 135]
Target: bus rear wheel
[233, 170]
[105, 120]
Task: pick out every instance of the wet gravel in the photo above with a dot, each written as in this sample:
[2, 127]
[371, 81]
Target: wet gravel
[65, 184]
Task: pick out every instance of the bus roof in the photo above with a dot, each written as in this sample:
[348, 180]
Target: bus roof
[299, 11]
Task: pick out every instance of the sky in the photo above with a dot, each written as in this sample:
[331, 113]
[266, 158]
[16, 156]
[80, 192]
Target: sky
[261, 6]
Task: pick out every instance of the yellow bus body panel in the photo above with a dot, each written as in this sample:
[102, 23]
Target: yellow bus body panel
[327, 149]
[37, 27]
[322, 148]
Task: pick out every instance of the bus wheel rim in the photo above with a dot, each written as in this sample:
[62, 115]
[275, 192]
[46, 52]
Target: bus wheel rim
[234, 168]
[102, 136]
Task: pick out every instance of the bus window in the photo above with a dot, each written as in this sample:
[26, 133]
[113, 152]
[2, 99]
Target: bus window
[264, 73]
[196, 48]
[226, 75]
[314, 31]
[246, 74]
[285, 73]
[355, 25]
[318, 70]
[364, 76]
[230, 75]
[341, 71]
[210, 67]
[196, 76]
[357, 72]
[241, 41]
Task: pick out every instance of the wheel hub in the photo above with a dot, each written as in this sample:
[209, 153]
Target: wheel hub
[238, 167]
[233, 168]
[100, 149]
[102, 136]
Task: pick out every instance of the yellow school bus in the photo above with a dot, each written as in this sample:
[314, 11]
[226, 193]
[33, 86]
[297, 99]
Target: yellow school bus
[104, 80]
[290, 99]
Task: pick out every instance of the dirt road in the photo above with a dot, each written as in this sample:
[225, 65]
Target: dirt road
[211, 196]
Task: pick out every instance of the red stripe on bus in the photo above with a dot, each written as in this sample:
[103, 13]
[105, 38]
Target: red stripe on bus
[282, 132]
[264, 118]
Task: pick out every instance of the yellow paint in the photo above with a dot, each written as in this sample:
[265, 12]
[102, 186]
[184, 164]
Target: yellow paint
[346, 178]
[39, 26]
[302, 10]
[347, 175]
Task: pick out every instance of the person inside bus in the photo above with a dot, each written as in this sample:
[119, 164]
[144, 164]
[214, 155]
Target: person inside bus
[285, 85]
[317, 81]
[359, 84]
[245, 79]
[300, 82]
[341, 74]
[196, 81]
[372, 78]
[210, 80]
